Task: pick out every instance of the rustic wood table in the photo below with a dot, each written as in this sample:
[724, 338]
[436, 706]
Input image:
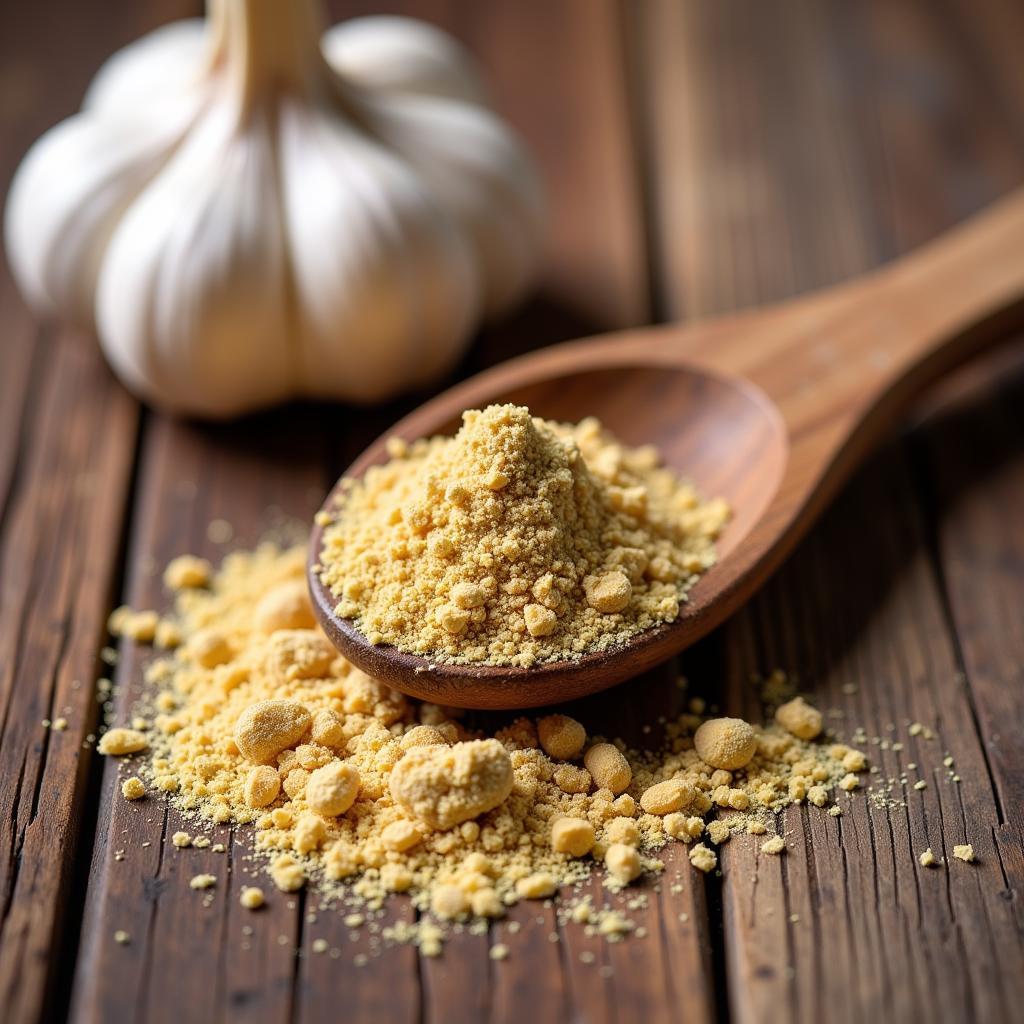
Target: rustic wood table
[699, 157]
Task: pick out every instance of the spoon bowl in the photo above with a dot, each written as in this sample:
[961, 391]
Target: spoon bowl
[770, 410]
[722, 434]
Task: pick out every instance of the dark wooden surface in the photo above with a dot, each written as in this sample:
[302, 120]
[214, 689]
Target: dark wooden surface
[700, 157]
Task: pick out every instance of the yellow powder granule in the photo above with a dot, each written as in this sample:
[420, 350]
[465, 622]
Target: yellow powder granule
[251, 897]
[443, 786]
[187, 571]
[267, 727]
[119, 742]
[515, 542]
[679, 826]
[928, 859]
[332, 788]
[574, 836]
[776, 844]
[964, 852]
[133, 789]
[122, 938]
[703, 858]
[561, 737]
[665, 797]
[285, 607]
[818, 795]
[623, 862]
[287, 873]
[608, 767]
[622, 831]
[401, 836]
[203, 881]
[799, 718]
[355, 789]
[725, 743]
[140, 626]
[537, 886]
[167, 636]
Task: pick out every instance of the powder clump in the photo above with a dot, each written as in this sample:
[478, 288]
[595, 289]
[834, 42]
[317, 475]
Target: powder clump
[445, 786]
[518, 541]
[725, 743]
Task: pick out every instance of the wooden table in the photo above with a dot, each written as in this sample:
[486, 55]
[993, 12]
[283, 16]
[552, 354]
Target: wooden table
[700, 157]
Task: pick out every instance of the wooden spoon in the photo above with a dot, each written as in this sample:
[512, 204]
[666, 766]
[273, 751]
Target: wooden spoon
[769, 409]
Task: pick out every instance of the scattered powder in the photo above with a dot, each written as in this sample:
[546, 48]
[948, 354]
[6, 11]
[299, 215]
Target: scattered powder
[518, 541]
[203, 881]
[774, 845]
[964, 853]
[928, 859]
[354, 788]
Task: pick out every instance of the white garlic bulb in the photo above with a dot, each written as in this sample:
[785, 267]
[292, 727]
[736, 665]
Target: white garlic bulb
[246, 212]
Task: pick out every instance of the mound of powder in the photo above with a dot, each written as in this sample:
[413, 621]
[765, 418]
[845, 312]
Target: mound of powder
[352, 787]
[516, 541]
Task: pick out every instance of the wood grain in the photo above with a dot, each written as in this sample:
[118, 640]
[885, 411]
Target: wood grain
[264, 477]
[846, 925]
[67, 443]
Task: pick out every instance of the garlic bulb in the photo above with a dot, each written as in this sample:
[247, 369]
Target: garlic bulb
[245, 211]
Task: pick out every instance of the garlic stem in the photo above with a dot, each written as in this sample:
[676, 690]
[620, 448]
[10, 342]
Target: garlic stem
[268, 47]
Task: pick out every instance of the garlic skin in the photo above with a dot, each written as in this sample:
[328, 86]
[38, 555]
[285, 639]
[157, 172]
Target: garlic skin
[246, 212]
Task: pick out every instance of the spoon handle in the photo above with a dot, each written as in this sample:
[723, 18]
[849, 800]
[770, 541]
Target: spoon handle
[841, 365]
[852, 356]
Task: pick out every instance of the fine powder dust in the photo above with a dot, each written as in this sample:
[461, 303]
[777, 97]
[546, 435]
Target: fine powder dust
[254, 719]
[517, 541]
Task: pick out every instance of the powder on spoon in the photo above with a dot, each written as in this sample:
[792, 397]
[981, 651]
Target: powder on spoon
[517, 541]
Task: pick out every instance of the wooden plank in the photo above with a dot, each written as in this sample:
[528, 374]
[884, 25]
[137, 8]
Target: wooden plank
[787, 165]
[971, 456]
[58, 556]
[874, 928]
[67, 441]
[262, 476]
